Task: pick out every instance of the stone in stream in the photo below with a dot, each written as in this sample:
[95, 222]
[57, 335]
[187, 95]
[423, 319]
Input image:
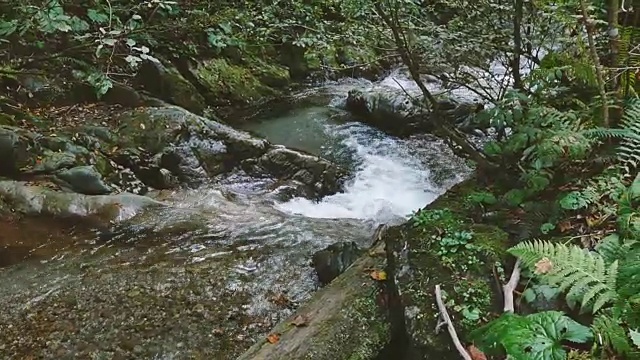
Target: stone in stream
[157, 147]
[42, 201]
[332, 261]
[84, 180]
[397, 113]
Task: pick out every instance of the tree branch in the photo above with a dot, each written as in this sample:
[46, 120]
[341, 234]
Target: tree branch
[588, 24]
[436, 117]
[452, 331]
[510, 287]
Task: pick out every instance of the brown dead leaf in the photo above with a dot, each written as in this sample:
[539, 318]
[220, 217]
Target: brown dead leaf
[300, 321]
[543, 266]
[476, 354]
[378, 275]
[273, 338]
[280, 299]
[565, 226]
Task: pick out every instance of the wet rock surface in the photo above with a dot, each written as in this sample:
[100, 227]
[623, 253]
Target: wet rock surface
[157, 148]
[172, 281]
[401, 114]
[329, 263]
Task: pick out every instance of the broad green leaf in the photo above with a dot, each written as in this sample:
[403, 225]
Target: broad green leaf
[97, 17]
[635, 337]
[537, 336]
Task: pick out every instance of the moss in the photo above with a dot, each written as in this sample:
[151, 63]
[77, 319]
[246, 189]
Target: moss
[233, 81]
[492, 240]
[7, 120]
[179, 91]
[464, 272]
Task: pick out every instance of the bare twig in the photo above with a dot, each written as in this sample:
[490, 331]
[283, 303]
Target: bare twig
[452, 331]
[510, 287]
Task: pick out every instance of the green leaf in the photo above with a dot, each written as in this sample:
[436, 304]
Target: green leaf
[97, 17]
[8, 27]
[529, 295]
[635, 337]
[537, 336]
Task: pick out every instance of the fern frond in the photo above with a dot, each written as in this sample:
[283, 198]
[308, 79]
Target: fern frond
[629, 149]
[612, 248]
[629, 275]
[582, 273]
[611, 334]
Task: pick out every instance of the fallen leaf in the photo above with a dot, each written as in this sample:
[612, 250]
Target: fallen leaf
[378, 275]
[476, 354]
[273, 338]
[565, 226]
[543, 266]
[300, 321]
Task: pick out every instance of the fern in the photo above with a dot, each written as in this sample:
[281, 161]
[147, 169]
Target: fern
[629, 149]
[629, 275]
[583, 274]
[611, 334]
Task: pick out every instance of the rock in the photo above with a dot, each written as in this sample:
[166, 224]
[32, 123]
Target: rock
[84, 180]
[54, 160]
[334, 260]
[122, 95]
[194, 148]
[466, 275]
[320, 176]
[397, 114]
[42, 201]
[166, 83]
[293, 57]
[272, 75]
[17, 150]
[220, 79]
[338, 313]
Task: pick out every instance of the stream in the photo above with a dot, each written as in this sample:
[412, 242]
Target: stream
[218, 266]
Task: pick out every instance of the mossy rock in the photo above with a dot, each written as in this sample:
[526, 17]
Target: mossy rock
[18, 149]
[465, 273]
[166, 83]
[233, 82]
[270, 75]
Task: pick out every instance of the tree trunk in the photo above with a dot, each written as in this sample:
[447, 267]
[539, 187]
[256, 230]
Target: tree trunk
[517, 43]
[442, 129]
[589, 27]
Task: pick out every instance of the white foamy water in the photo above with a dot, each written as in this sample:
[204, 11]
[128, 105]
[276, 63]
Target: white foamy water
[389, 182]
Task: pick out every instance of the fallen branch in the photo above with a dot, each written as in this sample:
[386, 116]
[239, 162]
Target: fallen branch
[510, 287]
[452, 331]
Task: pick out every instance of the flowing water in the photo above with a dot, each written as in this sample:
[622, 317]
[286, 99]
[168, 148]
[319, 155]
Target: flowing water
[219, 265]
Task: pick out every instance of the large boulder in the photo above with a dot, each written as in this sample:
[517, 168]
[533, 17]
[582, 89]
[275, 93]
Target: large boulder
[43, 201]
[166, 83]
[159, 148]
[194, 148]
[450, 250]
[226, 83]
[397, 113]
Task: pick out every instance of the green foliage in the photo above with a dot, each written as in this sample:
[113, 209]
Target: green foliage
[629, 149]
[112, 38]
[611, 333]
[536, 336]
[584, 274]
